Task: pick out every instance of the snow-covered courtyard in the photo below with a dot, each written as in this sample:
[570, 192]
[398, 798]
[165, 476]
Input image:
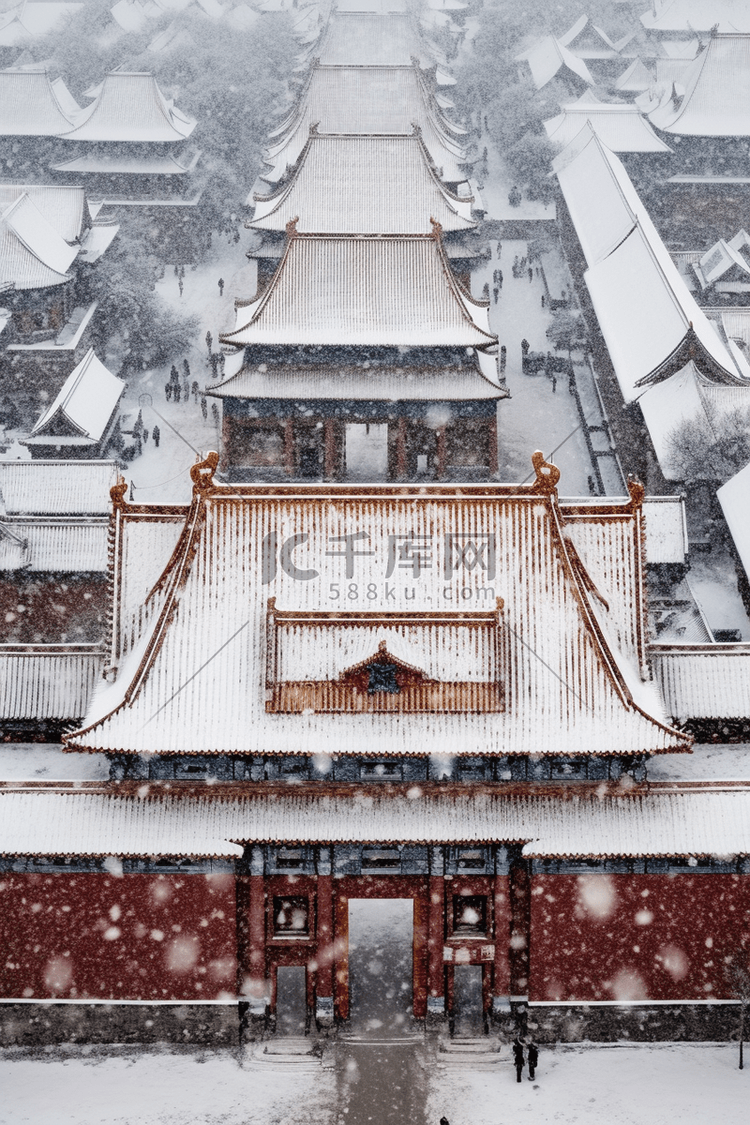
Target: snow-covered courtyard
[689, 1084]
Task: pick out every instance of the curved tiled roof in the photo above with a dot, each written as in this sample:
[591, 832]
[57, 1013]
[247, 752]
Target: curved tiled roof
[366, 290]
[716, 98]
[365, 100]
[131, 107]
[195, 680]
[33, 255]
[30, 106]
[363, 185]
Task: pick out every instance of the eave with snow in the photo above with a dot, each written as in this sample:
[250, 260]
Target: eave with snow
[573, 607]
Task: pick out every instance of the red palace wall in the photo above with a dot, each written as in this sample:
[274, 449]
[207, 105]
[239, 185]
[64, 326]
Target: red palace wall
[636, 937]
[139, 937]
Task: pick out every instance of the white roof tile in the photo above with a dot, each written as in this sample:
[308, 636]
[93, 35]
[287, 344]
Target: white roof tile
[693, 823]
[370, 39]
[621, 127]
[703, 681]
[716, 99]
[47, 681]
[56, 487]
[697, 15]
[33, 254]
[361, 100]
[83, 406]
[363, 185]
[131, 107]
[360, 291]
[195, 681]
[30, 106]
[49, 546]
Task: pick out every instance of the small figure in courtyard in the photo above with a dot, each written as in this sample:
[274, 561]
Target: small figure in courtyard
[499, 250]
[195, 389]
[542, 300]
[486, 290]
[177, 392]
[186, 368]
[524, 347]
[215, 412]
[531, 275]
[214, 363]
[168, 392]
[495, 293]
[209, 341]
[174, 375]
[514, 197]
[156, 436]
[499, 279]
[503, 357]
[186, 391]
[181, 286]
[182, 273]
[533, 1059]
[145, 435]
[177, 271]
[518, 1058]
[221, 286]
[204, 407]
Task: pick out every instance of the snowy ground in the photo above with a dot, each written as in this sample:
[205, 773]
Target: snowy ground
[152, 1086]
[162, 475]
[692, 1084]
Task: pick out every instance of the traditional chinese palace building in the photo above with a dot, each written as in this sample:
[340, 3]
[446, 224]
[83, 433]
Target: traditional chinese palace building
[424, 687]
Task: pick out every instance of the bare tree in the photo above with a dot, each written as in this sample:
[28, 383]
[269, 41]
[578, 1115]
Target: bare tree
[738, 979]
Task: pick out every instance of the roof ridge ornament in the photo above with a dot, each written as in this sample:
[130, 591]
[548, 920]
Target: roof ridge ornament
[117, 493]
[314, 128]
[637, 492]
[547, 475]
[202, 472]
[291, 227]
[437, 228]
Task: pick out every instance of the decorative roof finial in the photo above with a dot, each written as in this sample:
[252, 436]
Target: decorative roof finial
[637, 492]
[117, 493]
[291, 227]
[202, 472]
[547, 475]
[437, 228]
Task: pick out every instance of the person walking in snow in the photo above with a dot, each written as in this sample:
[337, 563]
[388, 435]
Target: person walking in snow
[209, 341]
[186, 368]
[221, 286]
[503, 357]
[204, 407]
[518, 1058]
[168, 392]
[156, 436]
[499, 279]
[533, 1059]
[524, 347]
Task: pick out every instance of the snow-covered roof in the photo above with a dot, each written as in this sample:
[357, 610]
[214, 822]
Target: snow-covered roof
[676, 823]
[56, 487]
[363, 381]
[631, 276]
[620, 125]
[33, 254]
[80, 413]
[197, 677]
[361, 291]
[131, 107]
[54, 545]
[697, 15]
[65, 208]
[713, 99]
[363, 185]
[687, 396]
[365, 100]
[47, 681]
[548, 57]
[734, 497]
[725, 257]
[119, 164]
[370, 39]
[30, 19]
[33, 106]
[130, 15]
[709, 681]
[666, 530]
[635, 79]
